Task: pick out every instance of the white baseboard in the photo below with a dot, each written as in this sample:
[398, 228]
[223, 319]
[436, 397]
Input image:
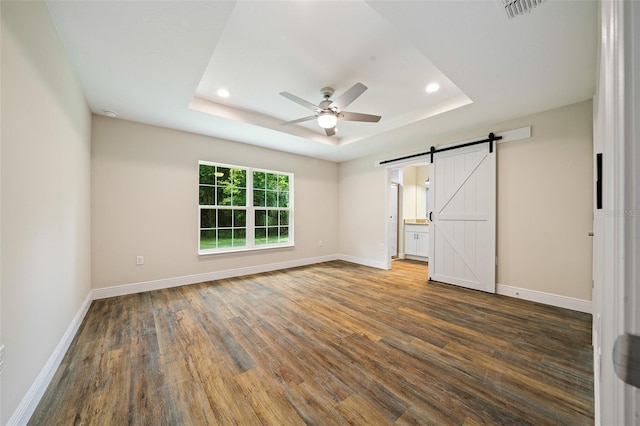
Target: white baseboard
[413, 257]
[32, 398]
[361, 261]
[121, 290]
[572, 303]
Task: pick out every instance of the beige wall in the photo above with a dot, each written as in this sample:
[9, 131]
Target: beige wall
[145, 202]
[45, 247]
[544, 202]
[362, 202]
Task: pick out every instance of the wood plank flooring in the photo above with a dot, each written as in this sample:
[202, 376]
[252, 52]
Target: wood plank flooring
[328, 344]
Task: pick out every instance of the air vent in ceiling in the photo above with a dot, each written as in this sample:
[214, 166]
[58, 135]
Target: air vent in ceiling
[519, 7]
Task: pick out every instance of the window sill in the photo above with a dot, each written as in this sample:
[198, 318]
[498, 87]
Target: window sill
[244, 249]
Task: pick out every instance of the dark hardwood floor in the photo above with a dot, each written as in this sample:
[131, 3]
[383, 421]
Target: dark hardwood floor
[333, 343]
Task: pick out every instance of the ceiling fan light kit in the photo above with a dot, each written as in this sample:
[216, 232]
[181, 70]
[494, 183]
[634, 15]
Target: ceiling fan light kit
[328, 112]
[327, 120]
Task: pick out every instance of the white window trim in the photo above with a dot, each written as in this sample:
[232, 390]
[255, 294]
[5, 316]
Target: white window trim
[250, 213]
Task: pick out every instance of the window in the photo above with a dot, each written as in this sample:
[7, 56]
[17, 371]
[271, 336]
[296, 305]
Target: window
[242, 208]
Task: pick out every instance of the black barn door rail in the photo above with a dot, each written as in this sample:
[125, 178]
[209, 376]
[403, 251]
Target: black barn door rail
[491, 138]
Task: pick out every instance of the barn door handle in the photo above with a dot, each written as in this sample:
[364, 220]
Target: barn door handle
[430, 214]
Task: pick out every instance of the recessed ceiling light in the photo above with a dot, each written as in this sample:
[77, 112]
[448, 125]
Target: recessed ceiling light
[109, 113]
[223, 93]
[432, 87]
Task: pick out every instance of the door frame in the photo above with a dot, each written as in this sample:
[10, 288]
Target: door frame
[391, 198]
[616, 268]
[632, 127]
[632, 192]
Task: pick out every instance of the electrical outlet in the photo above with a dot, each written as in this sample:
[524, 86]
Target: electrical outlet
[2, 357]
[139, 260]
[320, 243]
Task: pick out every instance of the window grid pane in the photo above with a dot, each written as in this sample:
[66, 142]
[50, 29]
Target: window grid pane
[208, 239]
[259, 198]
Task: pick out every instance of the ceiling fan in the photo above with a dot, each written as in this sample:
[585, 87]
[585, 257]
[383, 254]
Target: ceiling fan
[329, 112]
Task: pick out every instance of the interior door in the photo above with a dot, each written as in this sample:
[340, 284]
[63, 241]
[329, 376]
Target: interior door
[462, 249]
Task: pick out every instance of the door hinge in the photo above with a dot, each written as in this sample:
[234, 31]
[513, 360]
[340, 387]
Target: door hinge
[496, 260]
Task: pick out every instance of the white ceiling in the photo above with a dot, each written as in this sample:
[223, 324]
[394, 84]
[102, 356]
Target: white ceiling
[162, 62]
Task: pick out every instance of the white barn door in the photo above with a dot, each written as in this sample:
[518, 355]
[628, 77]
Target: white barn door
[462, 249]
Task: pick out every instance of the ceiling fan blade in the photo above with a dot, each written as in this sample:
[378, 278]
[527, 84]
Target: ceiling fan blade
[300, 120]
[330, 131]
[301, 101]
[349, 96]
[356, 116]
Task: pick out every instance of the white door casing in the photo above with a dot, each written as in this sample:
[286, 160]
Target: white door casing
[616, 226]
[632, 189]
[393, 219]
[462, 241]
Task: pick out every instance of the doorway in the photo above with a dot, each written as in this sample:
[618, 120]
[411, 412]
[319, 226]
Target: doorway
[407, 205]
[462, 214]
